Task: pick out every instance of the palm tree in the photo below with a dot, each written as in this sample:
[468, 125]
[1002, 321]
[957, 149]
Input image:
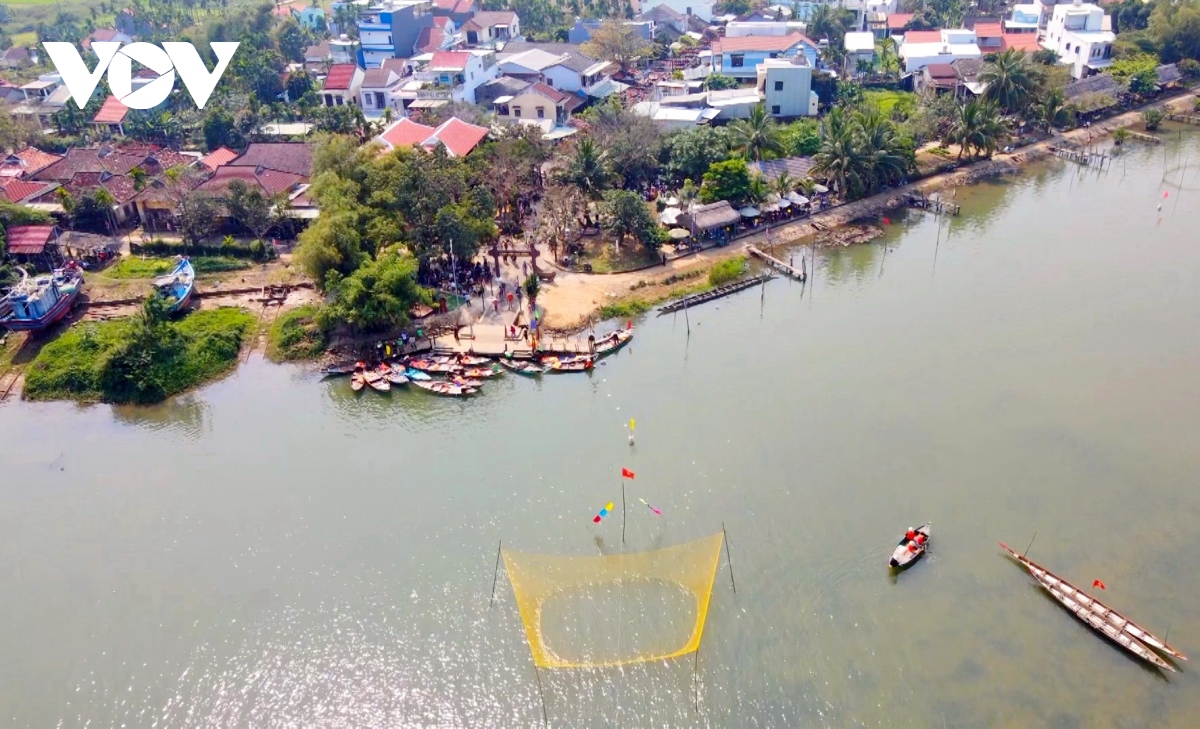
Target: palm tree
[783, 184]
[589, 168]
[758, 190]
[1052, 110]
[1010, 81]
[840, 157]
[885, 56]
[977, 128]
[861, 152]
[889, 158]
[1120, 135]
[756, 134]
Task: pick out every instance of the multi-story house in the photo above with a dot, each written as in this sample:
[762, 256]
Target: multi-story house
[1081, 34]
[490, 27]
[740, 57]
[785, 87]
[454, 75]
[390, 28]
[342, 85]
[923, 47]
[537, 102]
[380, 91]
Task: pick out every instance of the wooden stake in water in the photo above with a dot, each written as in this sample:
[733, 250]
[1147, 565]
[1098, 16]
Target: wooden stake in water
[495, 572]
[696, 681]
[542, 696]
[728, 559]
[622, 509]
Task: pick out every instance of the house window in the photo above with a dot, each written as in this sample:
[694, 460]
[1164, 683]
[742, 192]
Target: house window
[389, 40]
[517, 111]
[328, 99]
[775, 110]
[369, 102]
[689, 10]
[541, 111]
[339, 100]
[503, 110]
[737, 60]
[779, 86]
[774, 55]
[550, 82]
[379, 99]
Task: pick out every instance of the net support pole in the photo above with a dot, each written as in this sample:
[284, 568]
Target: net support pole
[622, 509]
[541, 695]
[696, 681]
[728, 559]
[495, 572]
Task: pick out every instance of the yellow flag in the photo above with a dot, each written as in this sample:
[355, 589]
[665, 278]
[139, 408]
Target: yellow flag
[632, 424]
[609, 506]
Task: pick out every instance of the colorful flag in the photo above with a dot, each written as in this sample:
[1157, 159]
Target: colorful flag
[626, 473]
[632, 424]
[886, 221]
[629, 324]
[656, 511]
[603, 512]
[1098, 583]
[1166, 194]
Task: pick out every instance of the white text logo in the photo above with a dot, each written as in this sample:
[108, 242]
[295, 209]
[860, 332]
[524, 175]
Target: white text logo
[118, 61]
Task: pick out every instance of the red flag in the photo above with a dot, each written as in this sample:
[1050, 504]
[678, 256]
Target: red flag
[629, 324]
[1098, 583]
[886, 221]
[626, 473]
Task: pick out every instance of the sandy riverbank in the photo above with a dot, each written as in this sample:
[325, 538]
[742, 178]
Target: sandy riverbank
[573, 299]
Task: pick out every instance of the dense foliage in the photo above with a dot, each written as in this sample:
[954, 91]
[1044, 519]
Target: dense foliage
[297, 334]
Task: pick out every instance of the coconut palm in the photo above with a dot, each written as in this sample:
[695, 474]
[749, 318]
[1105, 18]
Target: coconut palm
[1120, 135]
[885, 56]
[1011, 82]
[758, 190]
[588, 169]
[841, 158]
[977, 128]
[889, 158]
[1051, 109]
[783, 184]
[756, 134]
[860, 152]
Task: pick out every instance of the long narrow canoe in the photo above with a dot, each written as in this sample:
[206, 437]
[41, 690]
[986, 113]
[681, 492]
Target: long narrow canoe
[1119, 637]
[1077, 600]
[526, 368]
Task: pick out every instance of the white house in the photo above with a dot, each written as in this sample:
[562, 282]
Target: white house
[742, 28]
[574, 73]
[380, 91]
[342, 85]
[785, 87]
[671, 118]
[923, 47]
[454, 75]
[702, 9]
[489, 27]
[1081, 34]
[1025, 18]
[860, 46]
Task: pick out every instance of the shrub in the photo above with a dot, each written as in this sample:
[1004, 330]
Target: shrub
[625, 309]
[727, 270]
[297, 334]
[1152, 118]
[1189, 67]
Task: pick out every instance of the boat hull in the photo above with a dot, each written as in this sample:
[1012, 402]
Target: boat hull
[902, 558]
[51, 317]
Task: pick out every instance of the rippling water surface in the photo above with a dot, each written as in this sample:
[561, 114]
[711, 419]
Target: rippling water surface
[273, 551]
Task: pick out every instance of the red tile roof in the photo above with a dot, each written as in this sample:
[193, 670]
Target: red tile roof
[988, 30]
[218, 158]
[293, 157]
[99, 34]
[28, 240]
[549, 92]
[406, 133]
[429, 40]
[456, 60]
[941, 71]
[117, 160]
[121, 187]
[35, 160]
[897, 21]
[341, 75]
[15, 191]
[1027, 42]
[923, 36]
[760, 43]
[441, 22]
[270, 182]
[112, 112]
[460, 137]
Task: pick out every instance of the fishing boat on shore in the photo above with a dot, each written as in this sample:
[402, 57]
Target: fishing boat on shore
[484, 372]
[1113, 625]
[38, 302]
[377, 381]
[613, 341]
[441, 387]
[910, 549]
[176, 287]
[523, 367]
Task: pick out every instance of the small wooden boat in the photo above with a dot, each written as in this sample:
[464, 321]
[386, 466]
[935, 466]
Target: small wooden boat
[177, 286]
[357, 381]
[902, 556]
[467, 360]
[529, 369]
[440, 387]
[1120, 629]
[465, 382]
[393, 375]
[339, 369]
[483, 372]
[416, 375]
[376, 381]
[613, 341]
[429, 365]
[568, 364]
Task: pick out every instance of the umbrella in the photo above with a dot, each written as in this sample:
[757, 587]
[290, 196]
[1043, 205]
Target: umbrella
[672, 200]
[770, 207]
[678, 233]
[798, 199]
[820, 189]
[669, 216]
[749, 212]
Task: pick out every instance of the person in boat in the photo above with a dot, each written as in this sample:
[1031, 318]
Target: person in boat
[911, 534]
[920, 540]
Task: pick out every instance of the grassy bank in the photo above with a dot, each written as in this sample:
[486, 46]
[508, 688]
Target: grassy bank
[129, 361]
[721, 272]
[296, 335]
[136, 267]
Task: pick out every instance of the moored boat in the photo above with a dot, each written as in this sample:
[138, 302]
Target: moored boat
[377, 381]
[909, 550]
[1098, 615]
[416, 375]
[357, 381]
[483, 372]
[613, 341]
[467, 360]
[338, 369]
[429, 365]
[523, 367]
[568, 364]
[38, 302]
[441, 387]
[464, 382]
[393, 375]
[177, 286]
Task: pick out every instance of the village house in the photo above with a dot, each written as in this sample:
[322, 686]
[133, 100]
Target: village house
[744, 28]
[27, 163]
[538, 102]
[920, 48]
[454, 76]
[702, 9]
[279, 170]
[460, 11]
[581, 32]
[739, 57]
[390, 29]
[1081, 34]
[16, 57]
[380, 92]
[457, 136]
[1025, 18]
[491, 27]
[341, 85]
[34, 245]
[105, 35]
[860, 49]
[43, 98]
[110, 119]
[785, 87]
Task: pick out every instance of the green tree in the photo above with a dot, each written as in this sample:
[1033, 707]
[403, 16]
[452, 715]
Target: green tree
[861, 152]
[1151, 118]
[687, 154]
[617, 42]
[588, 168]
[1051, 110]
[1176, 27]
[757, 135]
[885, 56]
[1011, 83]
[377, 295]
[801, 138]
[251, 208]
[728, 180]
[720, 82]
[331, 244]
[219, 129]
[624, 215]
[978, 129]
[1046, 56]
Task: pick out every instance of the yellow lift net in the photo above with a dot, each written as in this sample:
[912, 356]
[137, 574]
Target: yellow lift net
[591, 612]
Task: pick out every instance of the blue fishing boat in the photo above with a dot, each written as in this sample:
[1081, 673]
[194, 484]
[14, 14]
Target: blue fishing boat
[178, 285]
[36, 303]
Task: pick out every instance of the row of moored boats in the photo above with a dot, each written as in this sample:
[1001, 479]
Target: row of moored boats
[461, 375]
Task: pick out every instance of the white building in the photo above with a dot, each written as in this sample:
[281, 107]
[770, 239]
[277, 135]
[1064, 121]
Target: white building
[860, 46]
[923, 47]
[454, 75]
[785, 87]
[1024, 19]
[741, 28]
[671, 118]
[380, 91]
[1081, 34]
[702, 9]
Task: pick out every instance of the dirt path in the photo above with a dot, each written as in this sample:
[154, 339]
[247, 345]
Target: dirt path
[574, 298]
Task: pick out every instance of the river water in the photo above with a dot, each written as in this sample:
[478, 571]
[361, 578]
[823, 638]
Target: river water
[272, 551]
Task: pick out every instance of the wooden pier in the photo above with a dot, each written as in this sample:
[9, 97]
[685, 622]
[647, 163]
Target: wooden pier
[787, 270]
[1087, 159]
[720, 292]
[1143, 137]
[935, 205]
[1184, 119]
